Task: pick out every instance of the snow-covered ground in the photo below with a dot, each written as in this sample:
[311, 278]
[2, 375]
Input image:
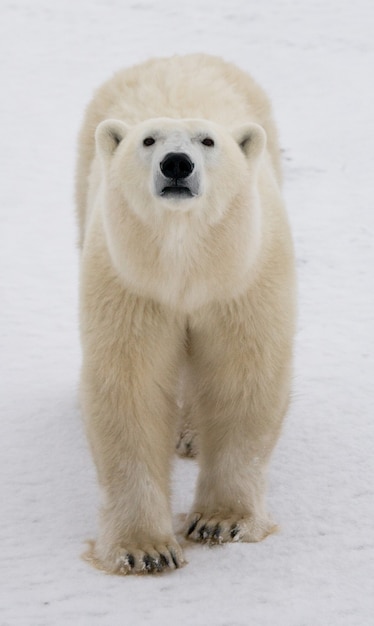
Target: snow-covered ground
[316, 60]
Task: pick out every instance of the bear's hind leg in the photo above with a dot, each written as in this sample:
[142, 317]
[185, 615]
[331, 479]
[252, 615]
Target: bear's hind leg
[187, 436]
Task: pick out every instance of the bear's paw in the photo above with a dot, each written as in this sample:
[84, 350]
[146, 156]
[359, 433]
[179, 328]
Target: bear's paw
[138, 559]
[216, 529]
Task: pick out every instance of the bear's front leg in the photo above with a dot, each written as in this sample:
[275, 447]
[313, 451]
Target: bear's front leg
[242, 360]
[131, 350]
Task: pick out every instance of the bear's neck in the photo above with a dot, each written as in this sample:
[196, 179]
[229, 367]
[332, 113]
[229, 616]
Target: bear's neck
[185, 262]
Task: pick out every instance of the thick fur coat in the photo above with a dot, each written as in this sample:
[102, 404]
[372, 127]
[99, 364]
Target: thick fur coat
[187, 274]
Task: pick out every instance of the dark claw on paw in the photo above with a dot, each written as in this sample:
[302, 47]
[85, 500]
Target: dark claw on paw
[173, 556]
[149, 563]
[131, 560]
[204, 532]
[164, 561]
[217, 533]
[234, 531]
[158, 565]
[192, 527]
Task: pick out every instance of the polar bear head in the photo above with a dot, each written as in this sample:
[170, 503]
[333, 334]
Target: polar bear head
[186, 165]
[180, 205]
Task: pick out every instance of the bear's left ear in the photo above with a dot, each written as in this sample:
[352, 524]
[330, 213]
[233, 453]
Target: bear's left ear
[251, 139]
[108, 136]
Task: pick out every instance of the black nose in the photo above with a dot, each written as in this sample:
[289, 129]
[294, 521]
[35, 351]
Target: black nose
[176, 165]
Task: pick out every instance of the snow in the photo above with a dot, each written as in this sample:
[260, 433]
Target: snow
[316, 61]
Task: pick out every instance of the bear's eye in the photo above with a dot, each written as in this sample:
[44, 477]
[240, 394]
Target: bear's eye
[149, 141]
[208, 141]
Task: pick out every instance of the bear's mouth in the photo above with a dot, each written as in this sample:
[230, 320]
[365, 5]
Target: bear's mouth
[176, 191]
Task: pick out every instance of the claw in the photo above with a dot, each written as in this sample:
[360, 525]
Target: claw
[234, 531]
[204, 532]
[164, 561]
[148, 563]
[217, 534]
[174, 558]
[192, 526]
[131, 560]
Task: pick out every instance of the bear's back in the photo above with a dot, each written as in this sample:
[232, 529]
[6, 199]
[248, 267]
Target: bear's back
[193, 86]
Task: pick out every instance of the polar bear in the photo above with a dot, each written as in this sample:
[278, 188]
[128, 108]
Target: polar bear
[187, 268]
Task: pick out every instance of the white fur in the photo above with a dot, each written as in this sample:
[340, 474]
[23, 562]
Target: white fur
[203, 282]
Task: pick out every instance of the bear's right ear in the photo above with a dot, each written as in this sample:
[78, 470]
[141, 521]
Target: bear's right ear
[108, 136]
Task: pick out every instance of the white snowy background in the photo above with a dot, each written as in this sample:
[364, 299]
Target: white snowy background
[316, 60]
